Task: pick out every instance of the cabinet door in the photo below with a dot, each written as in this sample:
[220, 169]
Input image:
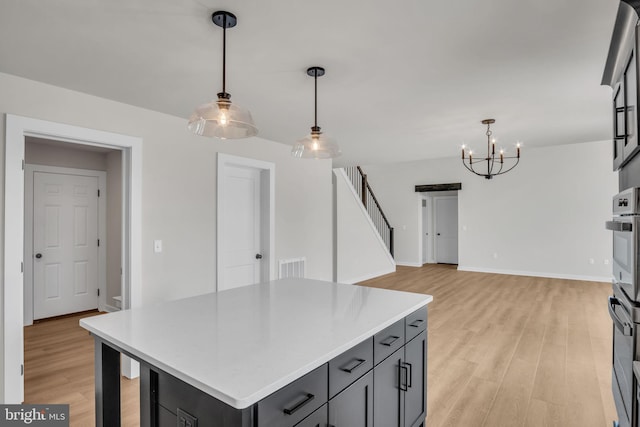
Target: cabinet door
[353, 407]
[619, 131]
[415, 402]
[317, 419]
[630, 103]
[388, 399]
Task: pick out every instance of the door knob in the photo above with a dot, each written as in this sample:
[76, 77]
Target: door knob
[258, 256]
[38, 256]
[438, 234]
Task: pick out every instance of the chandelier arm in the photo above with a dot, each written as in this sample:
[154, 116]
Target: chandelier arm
[493, 161]
[514, 165]
[470, 169]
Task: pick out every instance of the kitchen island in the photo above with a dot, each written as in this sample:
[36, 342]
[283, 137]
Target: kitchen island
[291, 352]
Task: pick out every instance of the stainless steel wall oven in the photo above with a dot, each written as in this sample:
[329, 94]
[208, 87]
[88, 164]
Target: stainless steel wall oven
[626, 226]
[624, 305]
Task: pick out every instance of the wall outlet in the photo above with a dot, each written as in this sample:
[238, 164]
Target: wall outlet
[606, 262]
[157, 246]
[592, 261]
[495, 255]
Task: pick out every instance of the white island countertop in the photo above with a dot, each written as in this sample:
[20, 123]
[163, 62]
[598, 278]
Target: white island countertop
[241, 345]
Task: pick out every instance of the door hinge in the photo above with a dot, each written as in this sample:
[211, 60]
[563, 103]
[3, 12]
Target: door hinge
[98, 193]
[22, 370]
[98, 292]
[98, 242]
[22, 267]
[23, 164]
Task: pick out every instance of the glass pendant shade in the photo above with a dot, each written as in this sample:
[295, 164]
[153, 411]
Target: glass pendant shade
[222, 119]
[316, 146]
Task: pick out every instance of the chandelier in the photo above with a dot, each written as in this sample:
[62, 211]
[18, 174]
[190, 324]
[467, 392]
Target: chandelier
[495, 163]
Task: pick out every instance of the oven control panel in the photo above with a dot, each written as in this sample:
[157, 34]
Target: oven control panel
[626, 202]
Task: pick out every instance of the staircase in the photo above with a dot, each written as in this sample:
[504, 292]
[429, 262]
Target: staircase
[359, 181]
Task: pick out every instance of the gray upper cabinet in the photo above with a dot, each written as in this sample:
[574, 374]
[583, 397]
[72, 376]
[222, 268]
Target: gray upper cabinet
[621, 73]
[631, 104]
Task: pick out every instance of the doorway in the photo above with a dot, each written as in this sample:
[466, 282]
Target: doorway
[245, 214]
[446, 229]
[16, 130]
[65, 241]
[438, 227]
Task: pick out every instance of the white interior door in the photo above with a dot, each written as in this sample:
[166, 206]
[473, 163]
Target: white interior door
[425, 232]
[65, 244]
[240, 206]
[446, 227]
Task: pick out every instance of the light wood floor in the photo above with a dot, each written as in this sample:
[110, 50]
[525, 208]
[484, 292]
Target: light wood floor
[513, 351]
[503, 351]
[58, 368]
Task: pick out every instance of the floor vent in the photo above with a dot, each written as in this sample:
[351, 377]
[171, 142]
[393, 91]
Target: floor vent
[293, 267]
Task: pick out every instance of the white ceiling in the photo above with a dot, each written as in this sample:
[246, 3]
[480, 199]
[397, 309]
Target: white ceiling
[405, 80]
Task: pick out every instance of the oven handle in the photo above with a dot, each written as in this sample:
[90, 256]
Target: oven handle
[619, 226]
[625, 328]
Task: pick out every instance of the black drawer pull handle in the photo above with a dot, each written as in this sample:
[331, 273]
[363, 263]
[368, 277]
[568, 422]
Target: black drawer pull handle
[350, 369]
[389, 340]
[308, 398]
[416, 323]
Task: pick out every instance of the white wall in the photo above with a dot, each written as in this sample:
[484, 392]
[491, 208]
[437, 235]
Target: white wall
[361, 254]
[37, 153]
[179, 187]
[546, 217]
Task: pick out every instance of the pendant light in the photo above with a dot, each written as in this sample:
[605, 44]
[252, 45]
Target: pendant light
[220, 118]
[316, 145]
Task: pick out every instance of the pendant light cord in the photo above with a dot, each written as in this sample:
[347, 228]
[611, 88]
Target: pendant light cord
[315, 97]
[224, 55]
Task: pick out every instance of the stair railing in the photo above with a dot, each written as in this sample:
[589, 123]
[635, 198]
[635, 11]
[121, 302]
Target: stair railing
[359, 180]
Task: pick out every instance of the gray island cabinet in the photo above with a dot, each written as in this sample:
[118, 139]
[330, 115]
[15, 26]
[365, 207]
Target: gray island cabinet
[288, 353]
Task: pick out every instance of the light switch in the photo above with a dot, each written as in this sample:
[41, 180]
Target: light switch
[157, 246]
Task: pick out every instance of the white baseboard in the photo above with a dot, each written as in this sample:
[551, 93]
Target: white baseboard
[368, 276]
[537, 274]
[408, 264]
[109, 308]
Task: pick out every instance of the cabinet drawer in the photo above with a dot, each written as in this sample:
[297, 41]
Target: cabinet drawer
[289, 405]
[317, 419]
[415, 323]
[387, 341]
[349, 366]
